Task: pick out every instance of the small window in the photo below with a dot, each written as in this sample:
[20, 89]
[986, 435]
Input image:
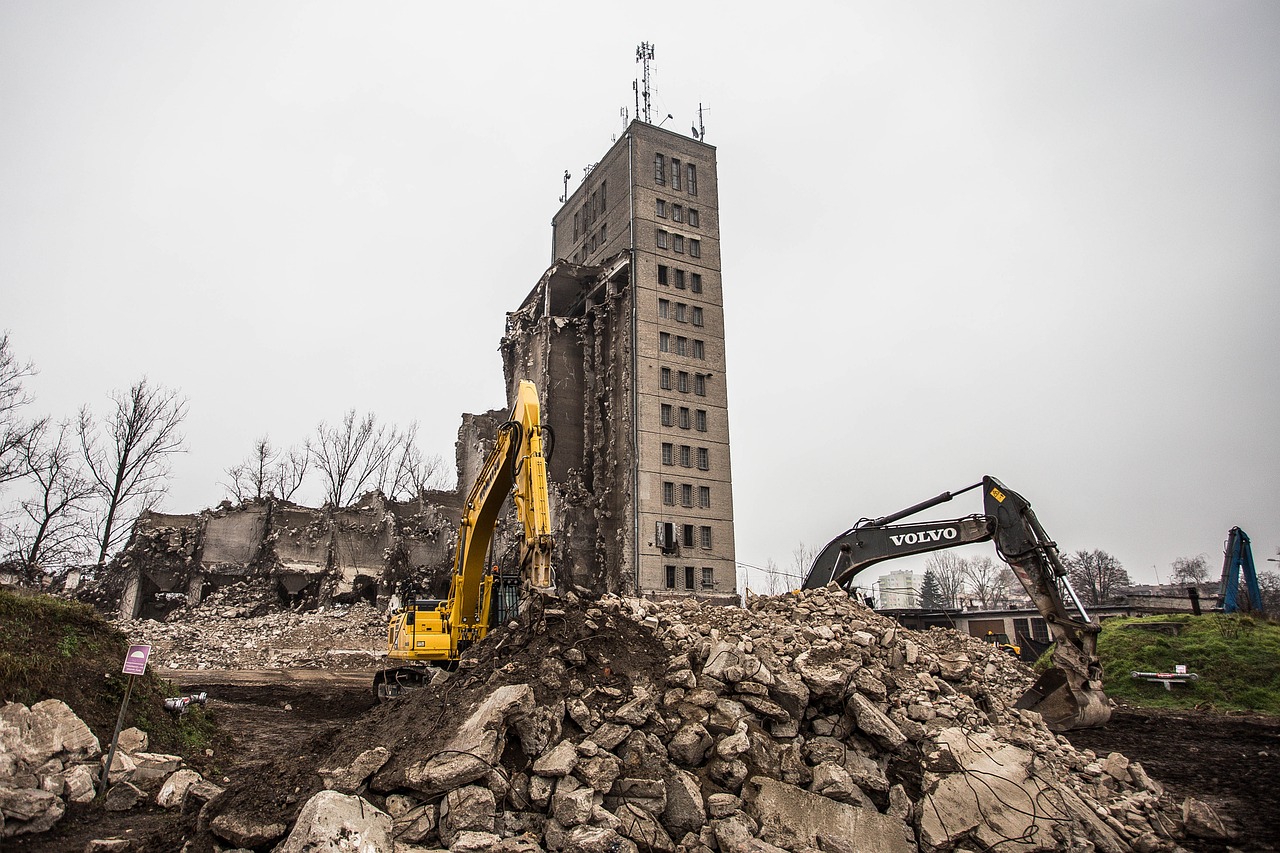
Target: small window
[664, 308]
[702, 420]
[662, 239]
[704, 459]
[700, 385]
[699, 349]
[595, 207]
[680, 312]
[675, 174]
[683, 385]
[681, 345]
[688, 535]
[659, 169]
[664, 342]
[667, 449]
[697, 315]
[688, 577]
[577, 219]
[693, 178]
[677, 242]
[666, 414]
[604, 232]
[686, 455]
[706, 537]
[695, 248]
[677, 213]
[593, 242]
[686, 494]
[693, 216]
[662, 208]
[695, 282]
[704, 497]
[684, 418]
[665, 383]
[604, 186]
[708, 575]
[662, 274]
[669, 494]
[679, 279]
[671, 577]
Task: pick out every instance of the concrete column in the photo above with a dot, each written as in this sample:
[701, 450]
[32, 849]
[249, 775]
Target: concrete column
[130, 596]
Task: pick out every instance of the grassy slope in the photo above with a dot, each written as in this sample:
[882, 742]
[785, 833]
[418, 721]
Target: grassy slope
[1236, 657]
[55, 649]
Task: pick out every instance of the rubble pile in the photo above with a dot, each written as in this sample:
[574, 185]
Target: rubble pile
[804, 722]
[239, 627]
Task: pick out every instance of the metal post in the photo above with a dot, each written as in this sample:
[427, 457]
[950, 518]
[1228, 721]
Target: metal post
[115, 738]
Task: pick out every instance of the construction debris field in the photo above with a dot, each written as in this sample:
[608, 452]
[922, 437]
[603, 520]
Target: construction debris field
[618, 687]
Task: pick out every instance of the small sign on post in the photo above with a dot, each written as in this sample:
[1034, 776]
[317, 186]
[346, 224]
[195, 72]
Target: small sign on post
[135, 664]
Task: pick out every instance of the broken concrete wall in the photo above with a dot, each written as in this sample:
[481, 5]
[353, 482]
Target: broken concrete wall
[571, 338]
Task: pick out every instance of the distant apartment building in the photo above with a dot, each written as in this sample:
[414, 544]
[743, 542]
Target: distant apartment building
[899, 590]
[624, 336]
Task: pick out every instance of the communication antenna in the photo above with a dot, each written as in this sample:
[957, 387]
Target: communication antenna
[644, 53]
[565, 197]
[626, 118]
[701, 133]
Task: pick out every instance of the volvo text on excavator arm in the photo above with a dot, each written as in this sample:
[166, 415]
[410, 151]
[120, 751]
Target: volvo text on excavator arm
[435, 633]
[1069, 695]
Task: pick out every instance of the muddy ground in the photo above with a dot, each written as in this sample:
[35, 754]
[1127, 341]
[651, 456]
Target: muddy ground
[272, 717]
[1231, 762]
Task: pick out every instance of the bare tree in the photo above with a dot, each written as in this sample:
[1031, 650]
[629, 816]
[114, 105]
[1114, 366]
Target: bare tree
[268, 471]
[406, 473]
[54, 529]
[352, 456]
[1095, 575]
[986, 581]
[773, 578]
[949, 571]
[128, 465]
[15, 433]
[802, 558]
[1269, 587]
[1191, 570]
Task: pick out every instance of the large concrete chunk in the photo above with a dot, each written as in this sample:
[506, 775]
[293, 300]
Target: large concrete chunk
[331, 822]
[474, 749]
[1011, 807]
[794, 817]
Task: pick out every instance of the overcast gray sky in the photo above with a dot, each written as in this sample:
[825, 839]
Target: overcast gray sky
[1036, 240]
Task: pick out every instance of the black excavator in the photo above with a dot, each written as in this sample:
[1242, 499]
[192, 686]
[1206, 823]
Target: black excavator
[1069, 695]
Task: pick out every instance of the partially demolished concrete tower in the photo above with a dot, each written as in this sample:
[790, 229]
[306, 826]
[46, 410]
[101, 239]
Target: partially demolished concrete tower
[624, 336]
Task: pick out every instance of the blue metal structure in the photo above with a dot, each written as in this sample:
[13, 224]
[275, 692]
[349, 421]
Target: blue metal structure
[1239, 555]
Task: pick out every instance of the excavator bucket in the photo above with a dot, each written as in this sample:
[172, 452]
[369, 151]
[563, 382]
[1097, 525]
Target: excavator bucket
[1064, 706]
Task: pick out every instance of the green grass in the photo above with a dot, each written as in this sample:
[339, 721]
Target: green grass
[1236, 657]
[56, 649]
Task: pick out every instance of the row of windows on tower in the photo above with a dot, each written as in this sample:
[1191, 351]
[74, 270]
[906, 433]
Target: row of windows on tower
[669, 536]
[660, 174]
[686, 495]
[676, 243]
[592, 207]
[683, 346]
[708, 577]
[699, 417]
[686, 455]
[677, 212]
[680, 312]
[675, 276]
[682, 384]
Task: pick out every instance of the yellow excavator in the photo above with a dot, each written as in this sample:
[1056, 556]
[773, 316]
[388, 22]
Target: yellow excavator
[435, 633]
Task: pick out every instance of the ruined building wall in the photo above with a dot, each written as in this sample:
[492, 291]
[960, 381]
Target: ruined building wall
[570, 339]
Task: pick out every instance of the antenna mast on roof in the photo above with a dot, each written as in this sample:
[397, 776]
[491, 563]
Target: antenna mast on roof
[644, 53]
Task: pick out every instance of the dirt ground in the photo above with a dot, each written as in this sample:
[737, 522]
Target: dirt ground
[271, 718]
[1231, 762]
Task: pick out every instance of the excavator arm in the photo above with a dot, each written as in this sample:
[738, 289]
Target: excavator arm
[1070, 694]
[436, 633]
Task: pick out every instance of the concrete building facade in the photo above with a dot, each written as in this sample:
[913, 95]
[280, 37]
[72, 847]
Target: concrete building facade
[624, 336]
